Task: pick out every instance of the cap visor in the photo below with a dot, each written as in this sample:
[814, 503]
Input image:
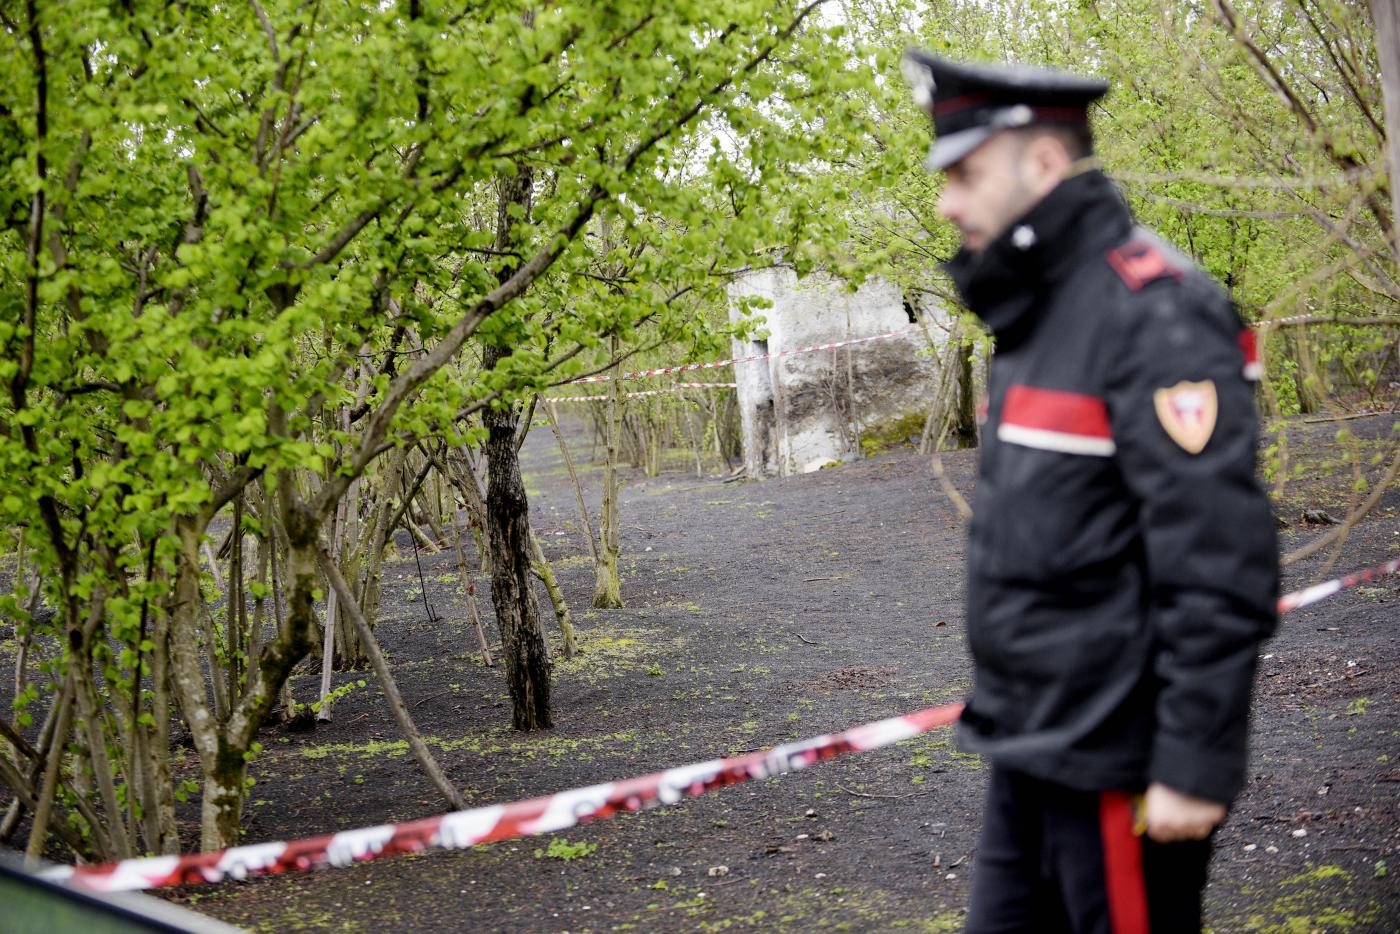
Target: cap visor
[947, 150]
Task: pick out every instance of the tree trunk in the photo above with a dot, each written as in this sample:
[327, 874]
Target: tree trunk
[573, 478]
[508, 536]
[508, 510]
[469, 591]
[964, 423]
[1386, 16]
[43, 808]
[157, 740]
[545, 572]
[328, 633]
[371, 559]
[607, 588]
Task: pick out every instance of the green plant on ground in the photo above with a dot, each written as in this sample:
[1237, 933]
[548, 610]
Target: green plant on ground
[561, 849]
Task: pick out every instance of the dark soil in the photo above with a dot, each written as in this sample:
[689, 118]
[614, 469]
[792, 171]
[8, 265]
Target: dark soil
[758, 613]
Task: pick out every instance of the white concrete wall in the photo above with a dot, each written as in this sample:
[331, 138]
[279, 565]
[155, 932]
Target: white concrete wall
[797, 412]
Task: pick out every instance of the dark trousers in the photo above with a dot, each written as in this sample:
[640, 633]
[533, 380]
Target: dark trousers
[1052, 859]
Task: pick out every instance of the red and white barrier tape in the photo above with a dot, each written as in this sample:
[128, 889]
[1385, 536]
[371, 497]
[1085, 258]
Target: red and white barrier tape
[1309, 595]
[1274, 322]
[462, 829]
[642, 374]
[648, 392]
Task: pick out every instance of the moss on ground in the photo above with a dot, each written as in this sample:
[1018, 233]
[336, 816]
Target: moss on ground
[1308, 902]
[887, 435]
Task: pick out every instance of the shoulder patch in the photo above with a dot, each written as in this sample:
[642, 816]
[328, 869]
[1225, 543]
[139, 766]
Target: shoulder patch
[1187, 412]
[1138, 262]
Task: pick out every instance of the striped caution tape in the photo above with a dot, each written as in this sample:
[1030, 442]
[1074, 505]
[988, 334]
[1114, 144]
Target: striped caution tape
[648, 392]
[1276, 322]
[684, 368]
[1310, 595]
[464, 829]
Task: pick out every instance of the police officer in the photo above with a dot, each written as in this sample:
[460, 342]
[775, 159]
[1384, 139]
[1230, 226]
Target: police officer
[1122, 564]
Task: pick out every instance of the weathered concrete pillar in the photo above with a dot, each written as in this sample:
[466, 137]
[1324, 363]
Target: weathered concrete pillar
[805, 411]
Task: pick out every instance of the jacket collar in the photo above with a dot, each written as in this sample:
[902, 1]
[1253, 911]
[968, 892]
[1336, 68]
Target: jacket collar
[1004, 284]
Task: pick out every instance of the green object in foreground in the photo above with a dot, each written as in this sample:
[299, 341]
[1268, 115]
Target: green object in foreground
[35, 906]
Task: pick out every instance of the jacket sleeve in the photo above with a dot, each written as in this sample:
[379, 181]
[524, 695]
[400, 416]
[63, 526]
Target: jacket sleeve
[1212, 558]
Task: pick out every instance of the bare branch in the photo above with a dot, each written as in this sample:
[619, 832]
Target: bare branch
[1271, 75]
[267, 30]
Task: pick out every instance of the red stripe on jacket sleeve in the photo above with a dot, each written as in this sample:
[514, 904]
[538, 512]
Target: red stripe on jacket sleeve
[1053, 410]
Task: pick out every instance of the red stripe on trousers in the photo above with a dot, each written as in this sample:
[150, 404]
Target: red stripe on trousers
[1053, 410]
[1122, 864]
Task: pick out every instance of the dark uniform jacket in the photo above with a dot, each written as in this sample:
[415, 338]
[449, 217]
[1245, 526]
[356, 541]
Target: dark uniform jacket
[1123, 565]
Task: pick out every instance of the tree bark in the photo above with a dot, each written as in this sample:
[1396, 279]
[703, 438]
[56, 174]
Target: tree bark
[607, 588]
[573, 478]
[328, 640]
[964, 422]
[545, 572]
[508, 536]
[43, 806]
[1386, 16]
[470, 486]
[469, 591]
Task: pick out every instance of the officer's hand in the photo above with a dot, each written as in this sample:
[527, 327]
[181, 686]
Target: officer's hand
[1172, 816]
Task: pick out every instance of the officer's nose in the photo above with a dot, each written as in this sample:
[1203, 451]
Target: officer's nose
[949, 203]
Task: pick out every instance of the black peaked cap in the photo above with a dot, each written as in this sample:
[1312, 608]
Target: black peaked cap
[969, 103]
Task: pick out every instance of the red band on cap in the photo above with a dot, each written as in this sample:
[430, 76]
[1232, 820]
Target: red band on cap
[954, 104]
[968, 101]
[1061, 114]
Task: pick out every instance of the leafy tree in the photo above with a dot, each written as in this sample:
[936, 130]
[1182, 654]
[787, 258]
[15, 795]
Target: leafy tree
[245, 247]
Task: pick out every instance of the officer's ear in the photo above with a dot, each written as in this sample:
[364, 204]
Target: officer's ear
[1045, 160]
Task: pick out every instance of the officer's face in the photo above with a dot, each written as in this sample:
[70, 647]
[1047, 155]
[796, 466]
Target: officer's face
[994, 185]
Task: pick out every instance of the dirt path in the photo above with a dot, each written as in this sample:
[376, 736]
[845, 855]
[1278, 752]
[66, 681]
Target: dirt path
[762, 612]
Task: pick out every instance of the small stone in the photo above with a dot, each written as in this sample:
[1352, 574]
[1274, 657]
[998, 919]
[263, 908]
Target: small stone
[951, 876]
[1251, 847]
[1300, 832]
[1271, 850]
[675, 870]
[826, 836]
[820, 875]
[719, 870]
[1323, 790]
[811, 812]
